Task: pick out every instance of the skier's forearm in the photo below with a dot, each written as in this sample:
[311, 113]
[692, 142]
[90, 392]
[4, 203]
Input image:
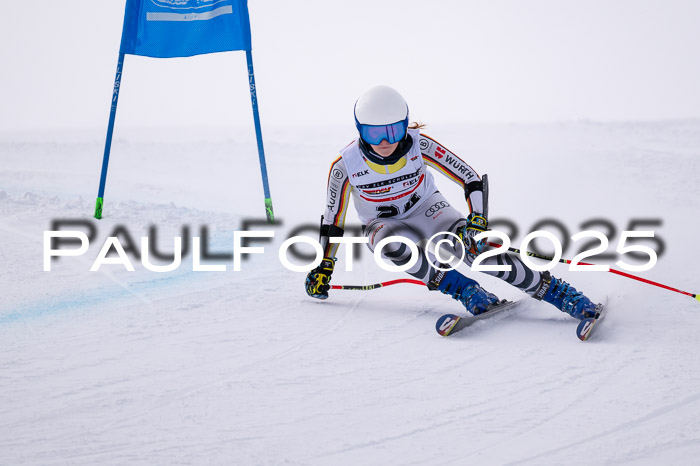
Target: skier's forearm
[337, 200]
[474, 194]
[328, 231]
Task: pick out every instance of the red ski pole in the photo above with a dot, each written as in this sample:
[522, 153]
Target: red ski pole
[377, 285]
[517, 251]
[617, 272]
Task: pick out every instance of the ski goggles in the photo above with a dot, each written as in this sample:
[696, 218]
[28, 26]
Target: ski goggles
[375, 134]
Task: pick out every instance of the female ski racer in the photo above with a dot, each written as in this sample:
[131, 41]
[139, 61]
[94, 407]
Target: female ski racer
[395, 195]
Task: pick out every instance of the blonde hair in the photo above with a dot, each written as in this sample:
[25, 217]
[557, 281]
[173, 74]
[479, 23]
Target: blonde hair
[416, 125]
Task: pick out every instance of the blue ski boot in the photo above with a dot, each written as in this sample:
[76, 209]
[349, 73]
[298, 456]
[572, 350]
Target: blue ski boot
[463, 289]
[564, 297]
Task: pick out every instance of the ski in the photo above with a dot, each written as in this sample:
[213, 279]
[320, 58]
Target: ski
[449, 324]
[586, 326]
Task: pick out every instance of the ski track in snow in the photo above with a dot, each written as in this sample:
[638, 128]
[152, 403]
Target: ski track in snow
[239, 370]
[241, 367]
[617, 429]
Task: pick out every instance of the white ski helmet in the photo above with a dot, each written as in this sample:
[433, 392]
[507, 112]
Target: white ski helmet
[381, 113]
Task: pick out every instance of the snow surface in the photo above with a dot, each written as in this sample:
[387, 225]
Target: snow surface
[242, 367]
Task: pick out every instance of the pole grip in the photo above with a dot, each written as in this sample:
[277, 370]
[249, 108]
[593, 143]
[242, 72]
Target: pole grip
[485, 194]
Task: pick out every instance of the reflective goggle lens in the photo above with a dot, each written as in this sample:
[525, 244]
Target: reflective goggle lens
[375, 134]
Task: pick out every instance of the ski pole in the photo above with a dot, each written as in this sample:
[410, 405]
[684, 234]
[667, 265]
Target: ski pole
[611, 270]
[377, 285]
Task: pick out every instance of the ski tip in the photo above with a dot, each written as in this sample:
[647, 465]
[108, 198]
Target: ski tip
[584, 328]
[697, 296]
[446, 323]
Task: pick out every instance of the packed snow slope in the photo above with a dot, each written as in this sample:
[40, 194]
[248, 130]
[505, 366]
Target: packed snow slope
[115, 367]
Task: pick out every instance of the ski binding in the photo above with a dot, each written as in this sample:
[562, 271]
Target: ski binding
[586, 326]
[449, 324]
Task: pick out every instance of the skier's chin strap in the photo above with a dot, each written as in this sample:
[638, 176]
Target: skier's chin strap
[402, 149]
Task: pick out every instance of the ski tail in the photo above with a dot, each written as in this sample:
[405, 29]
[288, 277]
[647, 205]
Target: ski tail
[586, 326]
[446, 324]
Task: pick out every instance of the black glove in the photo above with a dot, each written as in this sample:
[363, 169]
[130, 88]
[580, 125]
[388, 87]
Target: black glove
[319, 279]
[476, 223]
